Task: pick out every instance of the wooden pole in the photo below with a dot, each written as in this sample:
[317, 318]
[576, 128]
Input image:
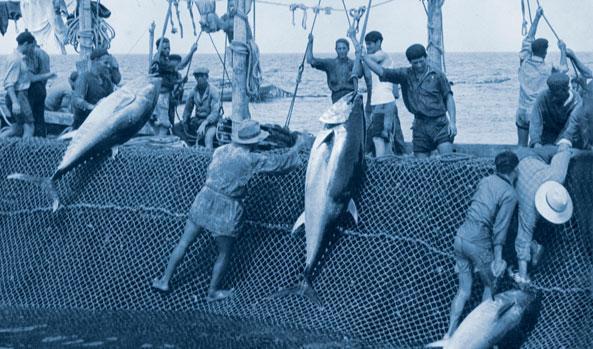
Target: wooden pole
[435, 48]
[85, 36]
[151, 43]
[240, 100]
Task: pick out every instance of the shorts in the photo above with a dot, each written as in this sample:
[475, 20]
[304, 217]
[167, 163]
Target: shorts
[429, 133]
[522, 118]
[468, 255]
[161, 111]
[381, 125]
[26, 115]
[216, 212]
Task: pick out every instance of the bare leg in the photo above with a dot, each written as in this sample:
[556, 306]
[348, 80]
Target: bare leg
[28, 130]
[209, 137]
[445, 148]
[462, 296]
[379, 146]
[189, 236]
[225, 248]
[522, 136]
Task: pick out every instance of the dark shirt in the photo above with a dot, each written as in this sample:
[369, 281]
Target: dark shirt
[89, 88]
[167, 71]
[338, 73]
[425, 97]
[38, 63]
[549, 120]
[492, 208]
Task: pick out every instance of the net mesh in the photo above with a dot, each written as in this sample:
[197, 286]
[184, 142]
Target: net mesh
[388, 280]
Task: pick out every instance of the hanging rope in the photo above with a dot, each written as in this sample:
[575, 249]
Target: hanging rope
[300, 73]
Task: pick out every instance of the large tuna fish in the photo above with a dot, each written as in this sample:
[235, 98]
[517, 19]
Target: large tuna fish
[333, 174]
[489, 322]
[115, 119]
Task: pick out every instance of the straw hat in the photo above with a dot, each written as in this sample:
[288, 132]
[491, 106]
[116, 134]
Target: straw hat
[553, 202]
[248, 132]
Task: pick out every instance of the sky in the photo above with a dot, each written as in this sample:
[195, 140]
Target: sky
[469, 25]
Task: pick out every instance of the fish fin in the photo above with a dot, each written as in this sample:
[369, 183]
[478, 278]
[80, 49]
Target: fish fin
[353, 210]
[504, 309]
[68, 135]
[300, 221]
[303, 289]
[438, 344]
[45, 183]
[114, 152]
[127, 100]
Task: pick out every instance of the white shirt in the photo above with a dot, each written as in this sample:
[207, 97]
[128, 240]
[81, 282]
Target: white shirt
[382, 91]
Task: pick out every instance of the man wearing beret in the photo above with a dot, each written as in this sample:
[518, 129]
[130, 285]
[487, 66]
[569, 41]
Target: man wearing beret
[92, 86]
[427, 94]
[205, 99]
[533, 73]
[552, 111]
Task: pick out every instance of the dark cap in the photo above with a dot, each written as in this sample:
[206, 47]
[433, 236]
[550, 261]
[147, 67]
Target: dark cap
[25, 38]
[201, 70]
[558, 80]
[415, 51]
[98, 53]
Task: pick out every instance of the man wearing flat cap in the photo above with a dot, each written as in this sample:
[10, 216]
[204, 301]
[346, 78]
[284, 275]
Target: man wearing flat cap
[533, 74]
[427, 94]
[92, 86]
[205, 100]
[552, 111]
[218, 207]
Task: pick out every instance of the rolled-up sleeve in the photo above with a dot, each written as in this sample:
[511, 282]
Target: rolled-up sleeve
[214, 106]
[536, 126]
[559, 166]
[11, 77]
[444, 87]
[275, 162]
[503, 219]
[526, 52]
[396, 76]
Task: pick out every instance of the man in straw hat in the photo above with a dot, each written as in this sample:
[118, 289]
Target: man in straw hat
[218, 207]
[539, 190]
[479, 241]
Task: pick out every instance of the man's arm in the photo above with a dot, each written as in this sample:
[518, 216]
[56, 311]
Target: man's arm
[536, 123]
[16, 107]
[581, 68]
[278, 162]
[185, 61]
[530, 37]
[452, 111]
[79, 94]
[309, 53]
[214, 115]
[559, 164]
[188, 109]
[563, 68]
[114, 70]
[533, 29]
[502, 223]
[570, 132]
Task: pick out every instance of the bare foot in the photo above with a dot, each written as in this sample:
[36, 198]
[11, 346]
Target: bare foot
[219, 295]
[160, 285]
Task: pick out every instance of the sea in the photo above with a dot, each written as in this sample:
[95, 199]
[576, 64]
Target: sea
[485, 88]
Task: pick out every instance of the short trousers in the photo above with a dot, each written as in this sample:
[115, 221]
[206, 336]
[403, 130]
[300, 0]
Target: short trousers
[161, 111]
[522, 119]
[468, 255]
[26, 115]
[381, 125]
[429, 133]
[220, 214]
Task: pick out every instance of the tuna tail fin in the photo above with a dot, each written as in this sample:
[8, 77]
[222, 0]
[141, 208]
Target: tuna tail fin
[68, 135]
[353, 210]
[438, 344]
[300, 221]
[44, 182]
[303, 289]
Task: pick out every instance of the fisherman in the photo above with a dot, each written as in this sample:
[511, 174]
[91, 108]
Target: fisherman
[552, 110]
[39, 66]
[479, 241]
[114, 72]
[554, 206]
[168, 71]
[427, 95]
[205, 98]
[533, 74]
[177, 91]
[60, 94]
[17, 80]
[218, 207]
[338, 70]
[92, 86]
[384, 123]
[584, 73]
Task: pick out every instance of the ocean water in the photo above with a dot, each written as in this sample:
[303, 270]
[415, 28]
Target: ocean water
[485, 89]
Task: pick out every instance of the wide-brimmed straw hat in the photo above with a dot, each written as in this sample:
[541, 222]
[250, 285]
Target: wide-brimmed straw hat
[248, 132]
[553, 202]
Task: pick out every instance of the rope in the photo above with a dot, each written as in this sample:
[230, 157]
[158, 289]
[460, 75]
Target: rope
[300, 73]
[102, 32]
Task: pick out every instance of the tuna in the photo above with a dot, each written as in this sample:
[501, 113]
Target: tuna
[333, 177]
[115, 119]
[489, 322]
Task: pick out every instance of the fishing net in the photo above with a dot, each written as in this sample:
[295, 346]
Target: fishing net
[387, 281]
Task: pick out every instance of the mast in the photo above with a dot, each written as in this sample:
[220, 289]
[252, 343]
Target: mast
[435, 49]
[240, 101]
[85, 35]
